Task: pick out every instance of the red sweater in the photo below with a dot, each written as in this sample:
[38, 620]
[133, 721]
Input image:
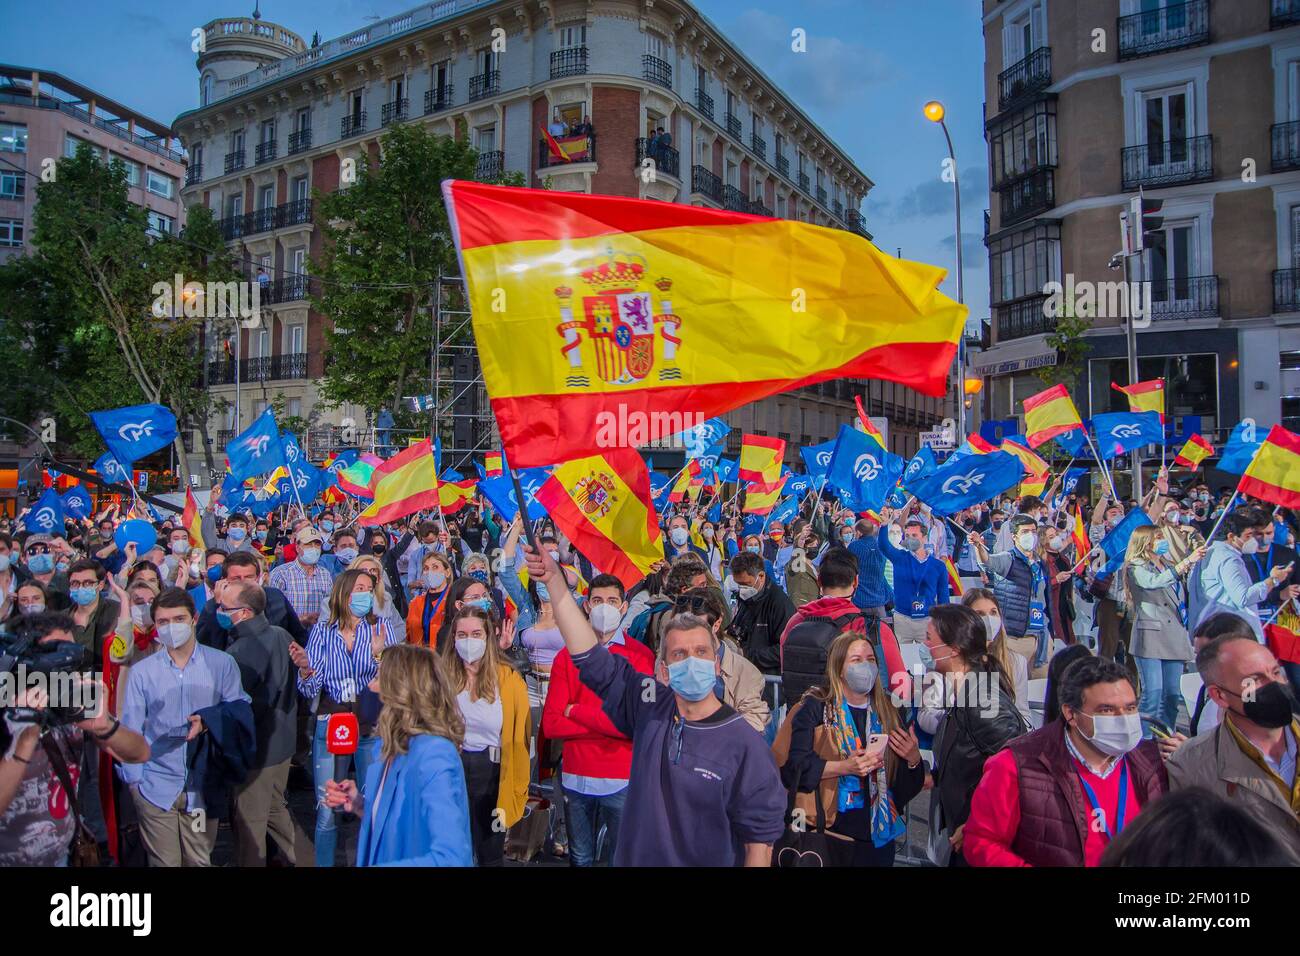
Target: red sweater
[593, 747]
[995, 812]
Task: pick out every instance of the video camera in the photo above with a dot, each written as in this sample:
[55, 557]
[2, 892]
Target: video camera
[59, 664]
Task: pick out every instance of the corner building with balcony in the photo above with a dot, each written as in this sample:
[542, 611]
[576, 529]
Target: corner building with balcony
[277, 118]
[1196, 104]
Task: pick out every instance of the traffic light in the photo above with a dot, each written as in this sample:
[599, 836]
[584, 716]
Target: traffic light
[1141, 211]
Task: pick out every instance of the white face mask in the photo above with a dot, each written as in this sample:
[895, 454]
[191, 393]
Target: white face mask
[1115, 734]
[1026, 541]
[895, 535]
[1250, 546]
[471, 649]
[140, 615]
[434, 580]
[992, 626]
[604, 618]
[679, 536]
[175, 635]
[1058, 543]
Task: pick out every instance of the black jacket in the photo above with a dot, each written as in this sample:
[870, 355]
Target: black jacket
[968, 737]
[279, 613]
[270, 680]
[758, 625]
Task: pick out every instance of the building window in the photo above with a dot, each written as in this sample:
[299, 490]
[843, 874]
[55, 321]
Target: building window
[486, 137]
[132, 170]
[1191, 384]
[161, 185]
[296, 340]
[160, 225]
[655, 45]
[1022, 263]
[293, 407]
[11, 232]
[267, 198]
[205, 89]
[72, 143]
[299, 189]
[573, 35]
[13, 138]
[13, 185]
[1024, 142]
[1023, 34]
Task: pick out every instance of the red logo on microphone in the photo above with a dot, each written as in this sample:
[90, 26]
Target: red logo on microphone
[341, 733]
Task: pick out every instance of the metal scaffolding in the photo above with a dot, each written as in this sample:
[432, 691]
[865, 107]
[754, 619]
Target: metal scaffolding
[461, 414]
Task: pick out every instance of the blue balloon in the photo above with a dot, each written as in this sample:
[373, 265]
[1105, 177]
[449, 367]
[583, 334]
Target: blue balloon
[137, 530]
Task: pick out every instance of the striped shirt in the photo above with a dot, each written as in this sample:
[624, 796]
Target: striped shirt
[342, 675]
[305, 591]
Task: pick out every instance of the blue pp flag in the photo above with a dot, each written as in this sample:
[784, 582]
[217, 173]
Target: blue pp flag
[860, 466]
[817, 458]
[1120, 432]
[1242, 445]
[897, 497]
[753, 524]
[46, 516]
[661, 486]
[138, 430]
[344, 459]
[110, 469]
[702, 437]
[967, 481]
[799, 484]
[784, 511]
[451, 474]
[258, 449]
[715, 512]
[922, 463]
[1069, 481]
[1075, 443]
[727, 469]
[77, 502]
[500, 492]
[1116, 542]
[307, 482]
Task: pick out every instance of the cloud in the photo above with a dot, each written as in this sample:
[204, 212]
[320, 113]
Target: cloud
[973, 251]
[933, 197]
[829, 76]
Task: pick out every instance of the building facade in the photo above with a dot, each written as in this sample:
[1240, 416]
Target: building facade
[1195, 104]
[45, 116]
[278, 120]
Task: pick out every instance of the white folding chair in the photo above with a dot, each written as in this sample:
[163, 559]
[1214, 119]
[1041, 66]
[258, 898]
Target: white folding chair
[1037, 697]
[1190, 685]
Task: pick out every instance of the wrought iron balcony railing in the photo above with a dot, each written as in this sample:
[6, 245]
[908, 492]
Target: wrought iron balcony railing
[490, 165]
[734, 199]
[265, 151]
[484, 85]
[1169, 163]
[1025, 78]
[353, 124]
[704, 103]
[394, 112]
[732, 122]
[1286, 146]
[235, 161]
[657, 71]
[1189, 297]
[299, 141]
[1027, 197]
[706, 183]
[1165, 28]
[569, 62]
[1022, 317]
[666, 159]
[437, 100]
[194, 174]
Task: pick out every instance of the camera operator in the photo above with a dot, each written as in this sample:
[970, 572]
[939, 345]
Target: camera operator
[38, 817]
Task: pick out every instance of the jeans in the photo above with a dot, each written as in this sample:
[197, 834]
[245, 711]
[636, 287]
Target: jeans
[323, 769]
[585, 815]
[1160, 691]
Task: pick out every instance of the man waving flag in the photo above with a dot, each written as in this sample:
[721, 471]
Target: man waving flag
[590, 310]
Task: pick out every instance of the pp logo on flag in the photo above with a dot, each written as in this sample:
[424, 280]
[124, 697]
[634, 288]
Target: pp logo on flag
[962, 484]
[866, 468]
[823, 458]
[291, 451]
[1126, 431]
[134, 431]
[44, 518]
[257, 444]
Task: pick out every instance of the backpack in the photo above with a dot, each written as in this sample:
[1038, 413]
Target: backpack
[803, 658]
[646, 624]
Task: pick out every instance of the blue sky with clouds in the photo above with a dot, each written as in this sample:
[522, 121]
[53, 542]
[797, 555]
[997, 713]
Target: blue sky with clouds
[870, 65]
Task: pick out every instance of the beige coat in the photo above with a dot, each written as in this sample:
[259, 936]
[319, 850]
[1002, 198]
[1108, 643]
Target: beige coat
[1215, 761]
[742, 687]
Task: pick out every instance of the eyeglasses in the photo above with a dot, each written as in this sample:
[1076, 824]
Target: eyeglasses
[39, 549]
[690, 602]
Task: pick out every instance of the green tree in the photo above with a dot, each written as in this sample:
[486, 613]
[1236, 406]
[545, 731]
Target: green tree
[386, 241]
[1068, 339]
[114, 343]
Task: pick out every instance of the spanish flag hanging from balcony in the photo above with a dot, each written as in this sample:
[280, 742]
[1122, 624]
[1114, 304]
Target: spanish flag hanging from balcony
[602, 504]
[403, 485]
[1048, 414]
[1145, 396]
[586, 308]
[1274, 473]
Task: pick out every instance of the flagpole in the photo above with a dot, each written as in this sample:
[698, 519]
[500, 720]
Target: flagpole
[817, 507]
[1226, 509]
[1104, 470]
[523, 511]
[1280, 608]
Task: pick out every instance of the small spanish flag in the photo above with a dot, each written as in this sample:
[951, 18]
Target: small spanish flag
[1274, 473]
[1079, 535]
[760, 458]
[761, 497]
[954, 579]
[1033, 463]
[867, 427]
[603, 505]
[403, 485]
[1145, 396]
[1283, 636]
[685, 481]
[455, 495]
[1048, 414]
[492, 464]
[1033, 485]
[192, 520]
[1194, 452]
[979, 446]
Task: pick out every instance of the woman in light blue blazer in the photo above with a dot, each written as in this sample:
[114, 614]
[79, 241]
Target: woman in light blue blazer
[416, 810]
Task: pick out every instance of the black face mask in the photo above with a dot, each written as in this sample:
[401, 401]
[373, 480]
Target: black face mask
[1271, 707]
[378, 548]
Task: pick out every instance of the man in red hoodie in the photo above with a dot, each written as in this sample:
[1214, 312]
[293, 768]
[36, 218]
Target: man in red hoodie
[597, 758]
[837, 579]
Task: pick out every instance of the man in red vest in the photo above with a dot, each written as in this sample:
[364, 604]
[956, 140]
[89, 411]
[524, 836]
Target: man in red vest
[1058, 796]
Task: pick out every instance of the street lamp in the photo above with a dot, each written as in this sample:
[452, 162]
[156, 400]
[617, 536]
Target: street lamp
[935, 113]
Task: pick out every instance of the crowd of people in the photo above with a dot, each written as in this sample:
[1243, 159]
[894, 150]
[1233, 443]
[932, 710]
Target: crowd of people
[473, 690]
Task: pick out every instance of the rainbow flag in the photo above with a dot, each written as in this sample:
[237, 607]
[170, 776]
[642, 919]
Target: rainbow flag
[603, 505]
[404, 484]
[1049, 413]
[761, 497]
[760, 458]
[359, 478]
[623, 308]
[1274, 473]
[1145, 396]
[1194, 452]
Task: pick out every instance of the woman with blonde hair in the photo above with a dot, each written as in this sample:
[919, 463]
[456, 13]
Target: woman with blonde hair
[416, 812]
[493, 702]
[1156, 587]
[845, 746]
[385, 605]
[425, 616]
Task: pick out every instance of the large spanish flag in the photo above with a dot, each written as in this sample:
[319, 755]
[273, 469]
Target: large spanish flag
[590, 307]
[1034, 464]
[1048, 414]
[1274, 473]
[603, 505]
[1145, 396]
[761, 457]
[403, 485]
[1194, 452]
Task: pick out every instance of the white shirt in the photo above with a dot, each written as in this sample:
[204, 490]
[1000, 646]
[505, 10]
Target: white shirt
[1284, 768]
[483, 722]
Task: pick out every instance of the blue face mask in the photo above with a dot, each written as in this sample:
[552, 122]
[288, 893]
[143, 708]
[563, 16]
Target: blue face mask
[361, 602]
[754, 548]
[214, 574]
[543, 593]
[236, 534]
[483, 604]
[83, 596]
[1162, 547]
[479, 575]
[327, 526]
[692, 678]
[224, 621]
[40, 563]
[927, 658]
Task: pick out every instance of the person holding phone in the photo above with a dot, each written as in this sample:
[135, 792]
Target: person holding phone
[1221, 581]
[846, 745]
